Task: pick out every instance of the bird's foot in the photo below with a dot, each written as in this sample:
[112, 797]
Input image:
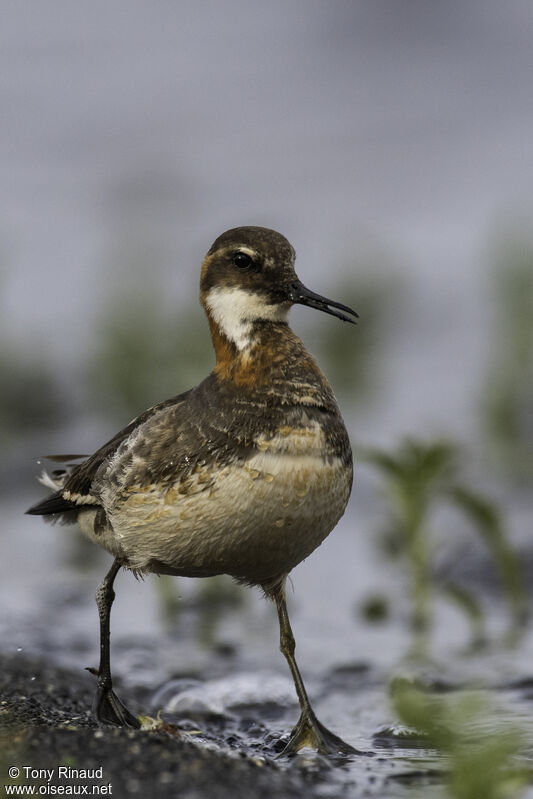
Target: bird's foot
[310, 732]
[108, 709]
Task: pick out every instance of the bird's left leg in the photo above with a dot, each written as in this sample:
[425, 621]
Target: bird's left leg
[308, 730]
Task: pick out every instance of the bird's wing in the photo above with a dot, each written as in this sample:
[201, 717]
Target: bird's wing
[74, 485]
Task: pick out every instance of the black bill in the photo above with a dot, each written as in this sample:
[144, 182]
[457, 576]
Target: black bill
[301, 295]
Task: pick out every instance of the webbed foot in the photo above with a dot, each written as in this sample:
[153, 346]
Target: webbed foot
[108, 709]
[310, 732]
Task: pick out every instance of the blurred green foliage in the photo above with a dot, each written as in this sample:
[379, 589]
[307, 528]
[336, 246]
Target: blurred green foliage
[471, 607]
[481, 752]
[416, 478]
[508, 393]
[486, 518]
[354, 359]
[168, 599]
[146, 351]
[350, 358]
[375, 609]
[214, 598]
[30, 399]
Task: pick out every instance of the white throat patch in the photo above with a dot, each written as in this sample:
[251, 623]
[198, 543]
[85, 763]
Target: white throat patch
[235, 310]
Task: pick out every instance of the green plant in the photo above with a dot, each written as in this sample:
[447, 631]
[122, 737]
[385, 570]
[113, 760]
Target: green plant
[353, 362]
[481, 752]
[145, 351]
[507, 399]
[416, 478]
[31, 398]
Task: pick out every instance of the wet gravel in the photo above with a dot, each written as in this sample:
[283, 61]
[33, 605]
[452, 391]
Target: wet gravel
[44, 724]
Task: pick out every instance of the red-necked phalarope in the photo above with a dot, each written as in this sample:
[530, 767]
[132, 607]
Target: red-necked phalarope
[245, 475]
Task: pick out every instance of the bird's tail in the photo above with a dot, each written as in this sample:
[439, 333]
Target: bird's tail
[56, 506]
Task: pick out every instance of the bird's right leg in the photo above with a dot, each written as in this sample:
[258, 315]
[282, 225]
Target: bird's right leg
[107, 707]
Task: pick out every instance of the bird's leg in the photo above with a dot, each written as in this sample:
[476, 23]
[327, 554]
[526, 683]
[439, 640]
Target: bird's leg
[107, 707]
[308, 731]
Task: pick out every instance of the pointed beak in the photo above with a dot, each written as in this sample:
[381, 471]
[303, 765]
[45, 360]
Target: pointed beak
[301, 295]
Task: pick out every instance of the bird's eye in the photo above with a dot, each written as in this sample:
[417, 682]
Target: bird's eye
[242, 260]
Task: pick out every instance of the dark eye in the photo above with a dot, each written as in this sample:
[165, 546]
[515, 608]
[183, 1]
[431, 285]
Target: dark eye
[242, 260]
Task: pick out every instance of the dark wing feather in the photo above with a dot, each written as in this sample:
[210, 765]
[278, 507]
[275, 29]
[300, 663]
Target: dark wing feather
[82, 475]
[65, 458]
[52, 505]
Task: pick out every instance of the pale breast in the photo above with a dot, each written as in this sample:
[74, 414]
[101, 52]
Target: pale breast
[252, 519]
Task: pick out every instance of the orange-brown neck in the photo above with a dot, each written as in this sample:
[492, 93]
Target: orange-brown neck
[276, 363]
[253, 365]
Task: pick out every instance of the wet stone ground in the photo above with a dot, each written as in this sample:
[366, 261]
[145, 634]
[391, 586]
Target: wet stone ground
[215, 741]
[45, 723]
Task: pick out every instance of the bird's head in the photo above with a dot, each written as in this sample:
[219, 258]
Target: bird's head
[248, 277]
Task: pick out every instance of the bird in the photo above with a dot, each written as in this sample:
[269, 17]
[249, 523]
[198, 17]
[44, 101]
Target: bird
[245, 474]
